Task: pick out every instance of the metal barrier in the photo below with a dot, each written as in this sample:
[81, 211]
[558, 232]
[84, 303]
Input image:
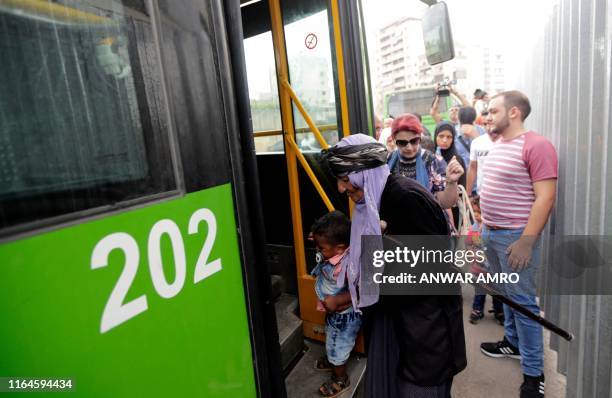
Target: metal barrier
[567, 78]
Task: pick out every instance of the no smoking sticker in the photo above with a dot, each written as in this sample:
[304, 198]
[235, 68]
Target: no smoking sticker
[311, 41]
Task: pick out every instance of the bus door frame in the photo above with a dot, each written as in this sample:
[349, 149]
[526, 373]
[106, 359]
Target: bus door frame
[313, 320]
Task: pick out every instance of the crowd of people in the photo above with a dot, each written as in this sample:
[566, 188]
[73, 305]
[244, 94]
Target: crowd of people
[405, 182]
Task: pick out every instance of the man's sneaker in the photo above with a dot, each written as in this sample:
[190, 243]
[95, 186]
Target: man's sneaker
[532, 387]
[500, 349]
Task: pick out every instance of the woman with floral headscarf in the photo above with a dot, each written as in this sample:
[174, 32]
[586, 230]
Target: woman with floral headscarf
[415, 343]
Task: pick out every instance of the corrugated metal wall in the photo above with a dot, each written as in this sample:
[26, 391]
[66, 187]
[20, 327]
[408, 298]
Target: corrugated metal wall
[567, 78]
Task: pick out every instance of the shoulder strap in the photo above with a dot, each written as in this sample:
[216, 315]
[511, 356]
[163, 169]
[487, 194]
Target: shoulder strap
[422, 174]
[466, 212]
[393, 160]
[462, 141]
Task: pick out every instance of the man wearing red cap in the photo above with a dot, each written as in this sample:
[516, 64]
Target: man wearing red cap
[431, 171]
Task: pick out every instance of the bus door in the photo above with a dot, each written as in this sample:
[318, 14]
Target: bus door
[297, 78]
[122, 272]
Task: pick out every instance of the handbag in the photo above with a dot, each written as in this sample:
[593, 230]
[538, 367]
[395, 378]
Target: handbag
[466, 219]
[466, 212]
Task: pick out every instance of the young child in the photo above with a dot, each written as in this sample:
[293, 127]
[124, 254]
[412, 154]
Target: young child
[331, 234]
[479, 299]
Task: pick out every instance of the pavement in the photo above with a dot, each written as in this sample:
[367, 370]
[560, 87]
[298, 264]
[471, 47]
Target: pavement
[484, 377]
[487, 377]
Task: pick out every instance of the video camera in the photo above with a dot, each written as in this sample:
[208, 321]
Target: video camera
[443, 90]
[479, 94]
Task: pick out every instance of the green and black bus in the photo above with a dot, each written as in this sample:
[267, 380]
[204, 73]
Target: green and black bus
[159, 177]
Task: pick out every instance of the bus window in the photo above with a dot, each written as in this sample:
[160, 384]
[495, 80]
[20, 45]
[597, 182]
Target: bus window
[195, 80]
[415, 101]
[312, 77]
[263, 92]
[81, 128]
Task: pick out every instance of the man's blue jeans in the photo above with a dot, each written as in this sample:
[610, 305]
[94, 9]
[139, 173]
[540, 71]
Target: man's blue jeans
[520, 331]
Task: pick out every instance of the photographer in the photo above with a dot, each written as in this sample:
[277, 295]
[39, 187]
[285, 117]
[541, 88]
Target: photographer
[480, 101]
[445, 89]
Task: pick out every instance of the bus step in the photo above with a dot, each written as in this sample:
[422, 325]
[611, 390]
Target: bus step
[276, 284]
[290, 336]
[304, 381]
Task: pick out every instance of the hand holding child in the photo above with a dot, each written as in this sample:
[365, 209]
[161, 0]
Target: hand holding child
[337, 303]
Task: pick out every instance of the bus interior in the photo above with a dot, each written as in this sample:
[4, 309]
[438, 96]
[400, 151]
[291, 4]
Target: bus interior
[305, 80]
[312, 62]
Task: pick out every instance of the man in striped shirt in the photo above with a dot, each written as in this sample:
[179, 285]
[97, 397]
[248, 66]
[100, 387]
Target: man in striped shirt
[517, 196]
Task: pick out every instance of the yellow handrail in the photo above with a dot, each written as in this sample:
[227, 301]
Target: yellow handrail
[309, 172]
[282, 70]
[57, 12]
[267, 133]
[305, 114]
[287, 97]
[341, 78]
[340, 67]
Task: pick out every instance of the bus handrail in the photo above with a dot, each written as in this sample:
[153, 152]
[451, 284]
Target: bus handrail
[291, 142]
[268, 133]
[57, 12]
[305, 114]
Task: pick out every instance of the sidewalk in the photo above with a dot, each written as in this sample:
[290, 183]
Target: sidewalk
[487, 377]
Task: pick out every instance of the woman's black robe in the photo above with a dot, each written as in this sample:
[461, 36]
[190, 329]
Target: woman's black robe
[413, 340]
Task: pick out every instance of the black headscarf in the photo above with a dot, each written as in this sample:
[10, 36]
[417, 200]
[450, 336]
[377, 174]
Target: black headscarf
[447, 154]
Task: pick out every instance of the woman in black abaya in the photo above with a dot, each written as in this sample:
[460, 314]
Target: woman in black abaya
[415, 344]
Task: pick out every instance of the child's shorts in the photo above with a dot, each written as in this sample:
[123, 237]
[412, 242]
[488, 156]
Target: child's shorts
[341, 330]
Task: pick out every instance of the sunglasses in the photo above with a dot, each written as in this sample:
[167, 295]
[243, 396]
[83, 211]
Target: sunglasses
[414, 142]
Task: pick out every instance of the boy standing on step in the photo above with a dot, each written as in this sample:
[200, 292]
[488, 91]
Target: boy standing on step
[331, 234]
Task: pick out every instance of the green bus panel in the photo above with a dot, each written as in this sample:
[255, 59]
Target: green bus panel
[161, 334]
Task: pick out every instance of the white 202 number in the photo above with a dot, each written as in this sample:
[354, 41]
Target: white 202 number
[204, 270]
[163, 288]
[116, 311]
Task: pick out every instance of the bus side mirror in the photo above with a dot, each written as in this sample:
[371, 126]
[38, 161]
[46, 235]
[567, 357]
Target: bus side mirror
[437, 34]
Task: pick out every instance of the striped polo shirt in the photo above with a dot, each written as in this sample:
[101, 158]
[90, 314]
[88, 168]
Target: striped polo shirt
[511, 168]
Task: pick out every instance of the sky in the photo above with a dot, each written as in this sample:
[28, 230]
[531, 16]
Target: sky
[507, 24]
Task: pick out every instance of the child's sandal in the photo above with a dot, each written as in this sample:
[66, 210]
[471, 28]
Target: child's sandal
[476, 316]
[334, 387]
[323, 365]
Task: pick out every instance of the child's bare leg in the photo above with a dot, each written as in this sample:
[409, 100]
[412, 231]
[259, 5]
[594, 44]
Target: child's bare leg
[339, 372]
